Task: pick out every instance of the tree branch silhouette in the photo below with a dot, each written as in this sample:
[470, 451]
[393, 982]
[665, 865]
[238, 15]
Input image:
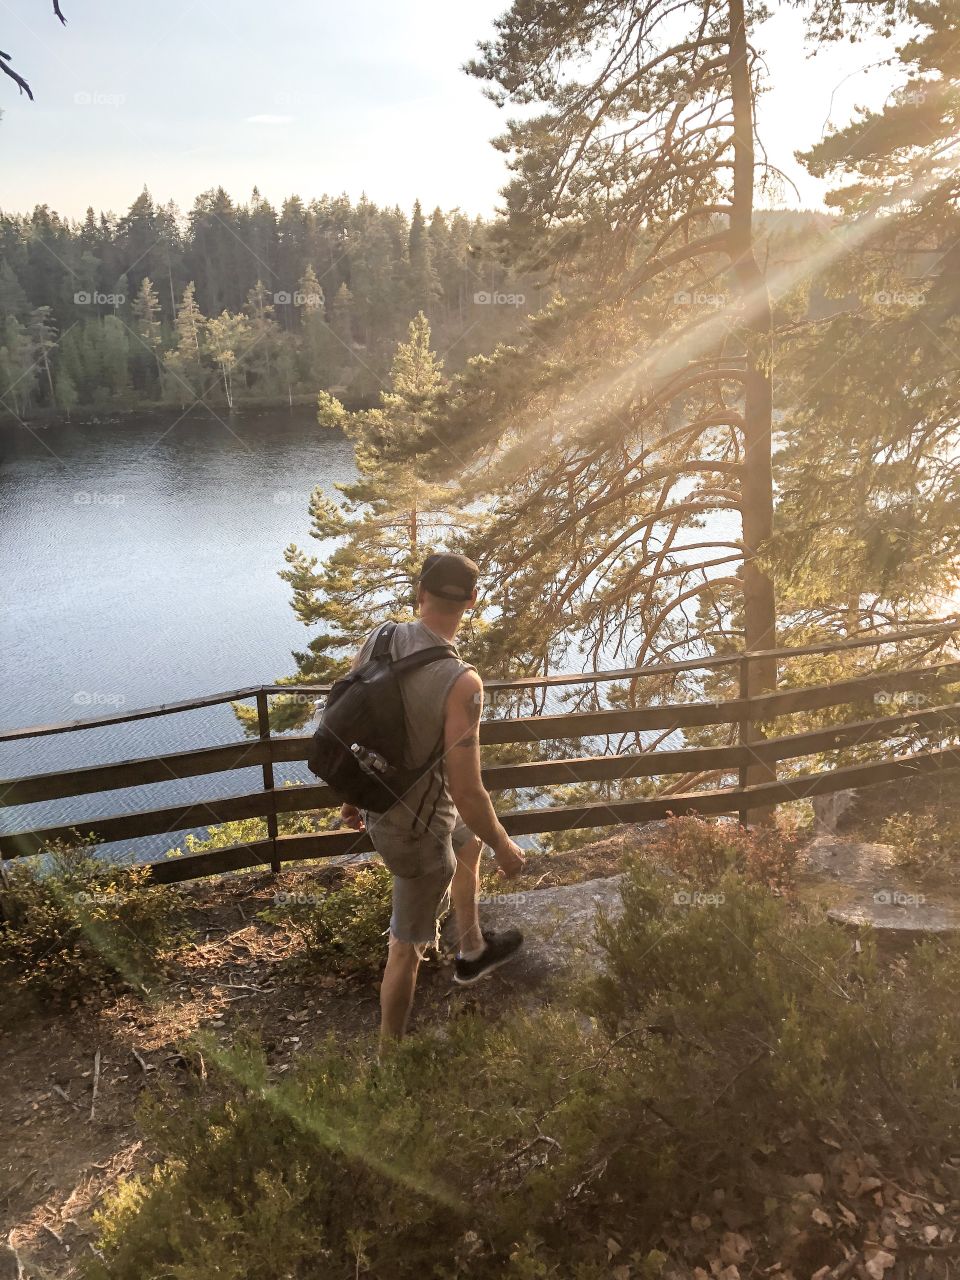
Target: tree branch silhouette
[18, 79]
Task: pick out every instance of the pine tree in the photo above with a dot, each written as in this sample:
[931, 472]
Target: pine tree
[43, 336]
[116, 356]
[318, 345]
[624, 420]
[387, 521]
[13, 300]
[66, 396]
[874, 424]
[261, 362]
[424, 287]
[18, 368]
[186, 375]
[146, 326]
[341, 319]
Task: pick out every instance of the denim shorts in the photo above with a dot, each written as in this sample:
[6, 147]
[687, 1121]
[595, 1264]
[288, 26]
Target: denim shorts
[422, 865]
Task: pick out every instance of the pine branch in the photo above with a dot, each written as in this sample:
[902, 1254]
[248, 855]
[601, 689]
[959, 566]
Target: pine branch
[17, 79]
[14, 76]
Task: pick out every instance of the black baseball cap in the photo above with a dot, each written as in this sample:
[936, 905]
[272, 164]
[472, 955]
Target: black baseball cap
[449, 576]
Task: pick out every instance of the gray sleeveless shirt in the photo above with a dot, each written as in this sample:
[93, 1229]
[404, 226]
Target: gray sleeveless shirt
[427, 806]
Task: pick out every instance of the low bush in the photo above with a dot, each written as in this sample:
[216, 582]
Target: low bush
[702, 852]
[344, 928]
[927, 841]
[72, 921]
[725, 1051]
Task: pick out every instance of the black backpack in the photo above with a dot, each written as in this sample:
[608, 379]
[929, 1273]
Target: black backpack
[359, 747]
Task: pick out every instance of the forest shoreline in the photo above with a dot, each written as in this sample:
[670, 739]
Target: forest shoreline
[98, 415]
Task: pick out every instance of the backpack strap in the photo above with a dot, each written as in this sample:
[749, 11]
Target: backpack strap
[422, 657]
[381, 646]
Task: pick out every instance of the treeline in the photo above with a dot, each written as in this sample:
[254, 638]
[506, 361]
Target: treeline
[237, 301]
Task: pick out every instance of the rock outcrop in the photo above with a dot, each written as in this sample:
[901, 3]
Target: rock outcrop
[557, 925]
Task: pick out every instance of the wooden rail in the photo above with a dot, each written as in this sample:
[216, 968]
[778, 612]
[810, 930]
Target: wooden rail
[751, 715]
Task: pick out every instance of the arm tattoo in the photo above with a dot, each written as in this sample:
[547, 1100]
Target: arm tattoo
[471, 737]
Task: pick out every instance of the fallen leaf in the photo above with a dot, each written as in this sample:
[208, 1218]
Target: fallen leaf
[814, 1181]
[613, 1247]
[930, 1234]
[878, 1263]
[734, 1247]
[699, 1222]
[621, 1273]
[822, 1218]
[851, 1182]
[868, 1184]
[849, 1218]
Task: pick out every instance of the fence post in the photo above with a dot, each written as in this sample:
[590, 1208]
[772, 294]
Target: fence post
[746, 730]
[263, 725]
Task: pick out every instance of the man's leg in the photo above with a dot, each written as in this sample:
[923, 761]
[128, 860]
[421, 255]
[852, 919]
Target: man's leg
[477, 954]
[464, 891]
[397, 988]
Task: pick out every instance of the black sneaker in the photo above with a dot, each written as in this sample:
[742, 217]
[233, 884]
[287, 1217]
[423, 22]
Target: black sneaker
[500, 947]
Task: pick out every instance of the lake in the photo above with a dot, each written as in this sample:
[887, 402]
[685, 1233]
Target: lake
[139, 566]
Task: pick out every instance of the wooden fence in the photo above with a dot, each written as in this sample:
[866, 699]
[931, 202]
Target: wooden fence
[753, 754]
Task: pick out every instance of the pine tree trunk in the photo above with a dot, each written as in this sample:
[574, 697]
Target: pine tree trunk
[759, 602]
[46, 369]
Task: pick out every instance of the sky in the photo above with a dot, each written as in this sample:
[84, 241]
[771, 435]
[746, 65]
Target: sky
[311, 97]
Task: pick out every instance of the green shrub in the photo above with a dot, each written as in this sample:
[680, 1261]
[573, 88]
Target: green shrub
[771, 1015]
[926, 842]
[248, 830]
[720, 1045]
[701, 852]
[342, 929]
[72, 921]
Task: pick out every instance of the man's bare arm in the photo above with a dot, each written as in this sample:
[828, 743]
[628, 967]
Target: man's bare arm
[462, 764]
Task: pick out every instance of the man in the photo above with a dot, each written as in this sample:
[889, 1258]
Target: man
[429, 851]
